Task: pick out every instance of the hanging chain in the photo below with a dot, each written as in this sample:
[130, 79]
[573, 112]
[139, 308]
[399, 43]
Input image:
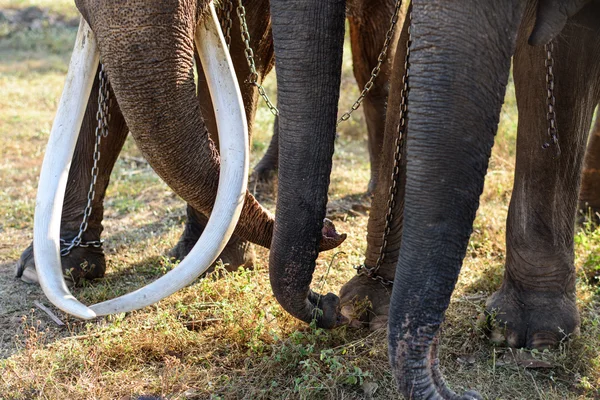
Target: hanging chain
[253, 79]
[380, 60]
[551, 100]
[102, 115]
[389, 216]
[226, 22]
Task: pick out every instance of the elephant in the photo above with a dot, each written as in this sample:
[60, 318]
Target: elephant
[237, 252]
[460, 57]
[157, 99]
[538, 249]
[368, 33]
[368, 23]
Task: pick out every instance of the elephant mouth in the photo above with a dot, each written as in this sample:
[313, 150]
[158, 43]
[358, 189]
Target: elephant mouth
[330, 236]
[233, 139]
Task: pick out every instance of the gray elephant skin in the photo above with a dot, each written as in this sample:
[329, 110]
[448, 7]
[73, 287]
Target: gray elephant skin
[460, 60]
[368, 33]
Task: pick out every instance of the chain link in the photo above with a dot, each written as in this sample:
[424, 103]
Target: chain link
[102, 116]
[253, 79]
[380, 60]
[226, 22]
[551, 100]
[371, 272]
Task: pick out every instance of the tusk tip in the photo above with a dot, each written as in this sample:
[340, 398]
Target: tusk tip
[74, 307]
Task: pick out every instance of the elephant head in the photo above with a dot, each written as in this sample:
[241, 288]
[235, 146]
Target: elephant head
[459, 66]
[147, 48]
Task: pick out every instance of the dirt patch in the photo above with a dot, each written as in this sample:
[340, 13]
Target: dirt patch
[18, 312]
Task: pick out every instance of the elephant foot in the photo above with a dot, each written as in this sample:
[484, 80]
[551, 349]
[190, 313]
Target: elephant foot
[365, 302]
[237, 253]
[533, 320]
[81, 263]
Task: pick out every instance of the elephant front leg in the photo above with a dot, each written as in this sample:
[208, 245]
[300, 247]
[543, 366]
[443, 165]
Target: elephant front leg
[589, 195]
[364, 299]
[85, 262]
[536, 305]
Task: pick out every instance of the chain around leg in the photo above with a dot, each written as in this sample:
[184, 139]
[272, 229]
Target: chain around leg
[551, 100]
[102, 115]
[363, 269]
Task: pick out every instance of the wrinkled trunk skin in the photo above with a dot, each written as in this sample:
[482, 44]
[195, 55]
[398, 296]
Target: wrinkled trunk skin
[460, 61]
[147, 49]
[369, 22]
[237, 252]
[308, 37]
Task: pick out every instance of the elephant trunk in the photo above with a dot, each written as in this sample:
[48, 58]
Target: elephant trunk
[148, 51]
[308, 38]
[459, 67]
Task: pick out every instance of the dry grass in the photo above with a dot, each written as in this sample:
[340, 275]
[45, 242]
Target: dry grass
[225, 337]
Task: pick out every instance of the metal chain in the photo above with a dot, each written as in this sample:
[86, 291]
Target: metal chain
[363, 269]
[102, 115]
[253, 79]
[380, 60]
[551, 100]
[226, 22]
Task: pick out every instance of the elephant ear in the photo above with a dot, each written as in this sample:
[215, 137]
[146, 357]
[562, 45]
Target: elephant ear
[551, 18]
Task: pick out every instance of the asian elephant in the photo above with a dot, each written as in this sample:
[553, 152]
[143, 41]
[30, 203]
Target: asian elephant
[238, 251]
[147, 50]
[460, 56]
[369, 22]
[368, 33]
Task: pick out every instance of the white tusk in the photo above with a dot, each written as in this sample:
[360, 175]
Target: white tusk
[55, 170]
[233, 147]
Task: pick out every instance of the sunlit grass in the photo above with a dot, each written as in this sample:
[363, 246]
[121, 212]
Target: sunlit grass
[225, 337]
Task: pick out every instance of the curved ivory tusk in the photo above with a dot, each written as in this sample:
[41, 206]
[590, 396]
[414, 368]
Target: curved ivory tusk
[233, 147]
[55, 170]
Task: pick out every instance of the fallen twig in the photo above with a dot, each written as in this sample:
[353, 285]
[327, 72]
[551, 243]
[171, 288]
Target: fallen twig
[52, 316]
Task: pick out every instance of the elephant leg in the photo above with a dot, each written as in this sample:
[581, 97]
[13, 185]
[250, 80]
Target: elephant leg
[589, 195]
[368, 29]
[238, 252]
[536, 305]
[266, 169]
[85, 262]
[361, 288]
